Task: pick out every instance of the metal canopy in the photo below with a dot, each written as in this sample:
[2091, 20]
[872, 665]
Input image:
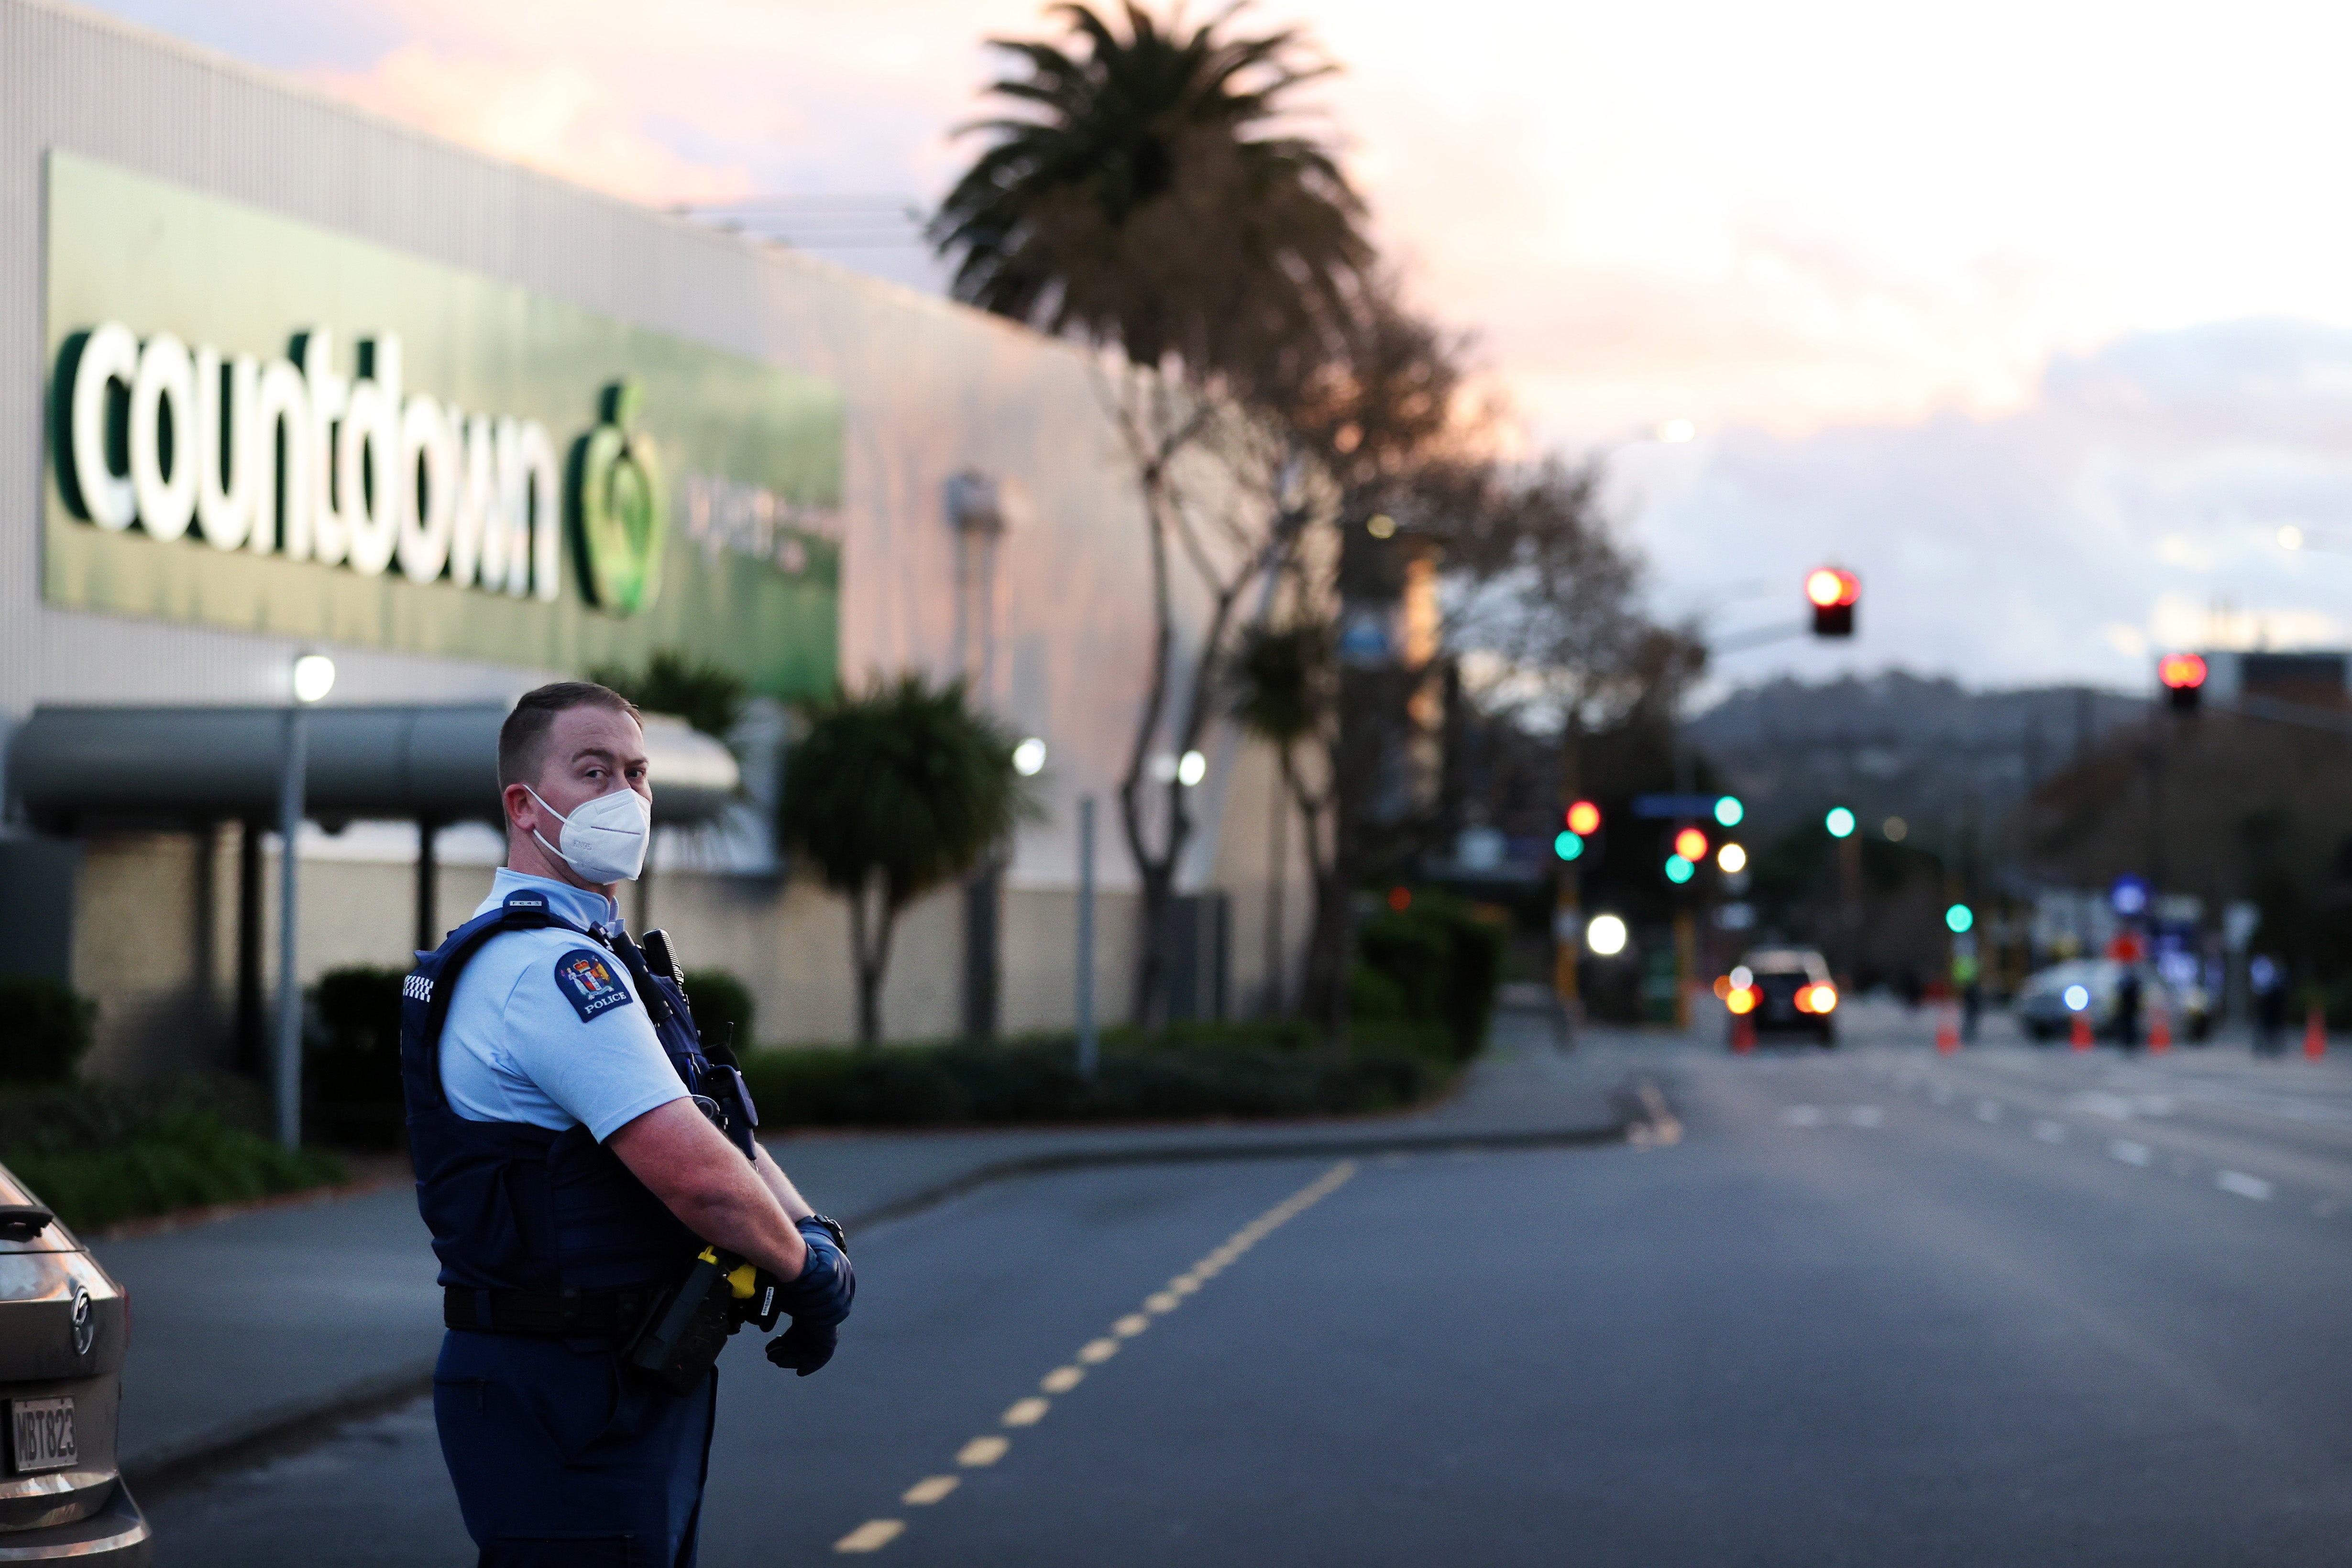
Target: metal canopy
[435, 764]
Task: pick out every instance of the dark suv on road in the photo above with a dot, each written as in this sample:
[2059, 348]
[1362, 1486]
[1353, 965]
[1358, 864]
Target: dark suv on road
[64, 1326]
[1782, 990]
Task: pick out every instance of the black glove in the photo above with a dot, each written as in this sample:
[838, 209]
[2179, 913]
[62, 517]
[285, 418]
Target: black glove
[826, 1285]
[804, 1346]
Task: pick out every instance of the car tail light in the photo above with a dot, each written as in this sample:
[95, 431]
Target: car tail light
[1744, 1000]
[1816, 998]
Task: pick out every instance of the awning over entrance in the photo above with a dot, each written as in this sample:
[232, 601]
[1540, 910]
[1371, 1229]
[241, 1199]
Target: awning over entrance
[72, 765]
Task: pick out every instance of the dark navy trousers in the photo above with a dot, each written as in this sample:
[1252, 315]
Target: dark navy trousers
[561, 1457]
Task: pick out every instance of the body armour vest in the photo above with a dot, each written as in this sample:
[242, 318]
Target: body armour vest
[522, 1208]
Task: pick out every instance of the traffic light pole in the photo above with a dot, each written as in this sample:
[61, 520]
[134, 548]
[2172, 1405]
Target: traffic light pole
[1568, 907]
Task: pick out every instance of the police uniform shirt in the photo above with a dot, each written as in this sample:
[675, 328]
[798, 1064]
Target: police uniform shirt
[543, 1028]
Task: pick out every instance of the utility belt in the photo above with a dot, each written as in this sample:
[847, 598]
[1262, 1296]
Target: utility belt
[673, 1333]
[562, 1314]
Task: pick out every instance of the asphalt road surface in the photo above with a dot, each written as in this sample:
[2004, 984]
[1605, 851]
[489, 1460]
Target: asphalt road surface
[1874, 1307]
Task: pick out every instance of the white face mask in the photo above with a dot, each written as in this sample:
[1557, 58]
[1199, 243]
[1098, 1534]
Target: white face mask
[604, 839]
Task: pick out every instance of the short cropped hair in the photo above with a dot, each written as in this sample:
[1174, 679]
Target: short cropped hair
[523, 739]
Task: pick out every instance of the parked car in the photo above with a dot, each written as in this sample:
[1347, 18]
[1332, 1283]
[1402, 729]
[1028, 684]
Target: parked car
[2050, 999]
[1782, 990]
[64, 1326]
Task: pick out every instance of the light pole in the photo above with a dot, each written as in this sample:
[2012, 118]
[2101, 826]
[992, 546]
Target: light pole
[1090, 1045]
[313, 678]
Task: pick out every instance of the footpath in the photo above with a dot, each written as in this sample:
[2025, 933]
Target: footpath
[255, 1330]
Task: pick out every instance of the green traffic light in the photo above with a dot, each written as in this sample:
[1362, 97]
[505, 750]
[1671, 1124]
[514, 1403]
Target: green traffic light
[1678, 869]
[1840, 822]
[1728, 811]
[1568, 845]
[1960, 917]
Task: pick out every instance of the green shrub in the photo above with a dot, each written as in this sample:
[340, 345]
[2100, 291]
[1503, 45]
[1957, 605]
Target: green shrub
[98, 1154]
[1037, 1082]
[1372, 995]
[720, 1000]
[45, 1028]
[1438, 961]
[350, 1059]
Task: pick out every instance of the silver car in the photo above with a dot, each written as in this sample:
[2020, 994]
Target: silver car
[64, 1326]
[2050, 999]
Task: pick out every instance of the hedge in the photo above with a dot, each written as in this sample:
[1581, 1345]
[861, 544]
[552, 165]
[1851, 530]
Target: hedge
[48, 1029]
[1437, 961]
[100, 1153]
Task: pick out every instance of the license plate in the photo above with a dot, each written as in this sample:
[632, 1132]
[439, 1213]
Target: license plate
[41, 1434]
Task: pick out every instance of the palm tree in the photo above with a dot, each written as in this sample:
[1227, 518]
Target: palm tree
[1148, 197]
[891, 793]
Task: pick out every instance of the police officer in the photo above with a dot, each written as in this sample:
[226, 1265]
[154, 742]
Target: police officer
[576, 1149]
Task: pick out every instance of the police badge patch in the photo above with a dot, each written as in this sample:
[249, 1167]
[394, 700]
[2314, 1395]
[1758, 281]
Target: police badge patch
[585, 978]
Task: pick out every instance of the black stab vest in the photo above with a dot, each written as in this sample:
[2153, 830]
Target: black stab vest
[515, 1207]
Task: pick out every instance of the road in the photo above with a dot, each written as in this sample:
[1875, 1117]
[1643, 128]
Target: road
[1876, 1306]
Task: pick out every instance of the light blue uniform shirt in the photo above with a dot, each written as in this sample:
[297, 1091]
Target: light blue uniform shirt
[519, 1045]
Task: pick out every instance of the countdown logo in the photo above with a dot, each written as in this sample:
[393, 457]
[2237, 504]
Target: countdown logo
[294, 458]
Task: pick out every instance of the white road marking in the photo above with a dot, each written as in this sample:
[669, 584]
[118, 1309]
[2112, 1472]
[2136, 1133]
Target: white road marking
[2131, 1154]
[2245, 1186]
[871, 1536]
[2050, 1132]
[929, 1490]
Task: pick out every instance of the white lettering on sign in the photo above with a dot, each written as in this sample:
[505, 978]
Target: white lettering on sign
[294, 458]
[751, 520]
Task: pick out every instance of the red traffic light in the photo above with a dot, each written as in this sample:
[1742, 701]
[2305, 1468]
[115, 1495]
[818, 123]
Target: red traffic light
[1691, 844]
[1828, 587]
[1832, 590]
[2181, 672]
[1584, 818]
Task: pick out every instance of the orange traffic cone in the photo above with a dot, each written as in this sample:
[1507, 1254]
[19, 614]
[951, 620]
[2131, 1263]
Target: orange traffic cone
[1948, 1031]
[1743, 1035]
[2080, 1039]
[2159, 1032]
[2315, 1035]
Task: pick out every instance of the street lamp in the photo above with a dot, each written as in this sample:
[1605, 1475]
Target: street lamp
[312, 677]
[1605, 935]
[1029, 758]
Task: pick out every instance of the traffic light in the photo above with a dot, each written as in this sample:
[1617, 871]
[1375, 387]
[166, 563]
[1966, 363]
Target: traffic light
[2183, 675]
[1729, 811]
[1568, 844]
[1679, 869]
[1959, 918]
[1584, 818]
[1833, 592]
[1691, 844]
[1840, 822]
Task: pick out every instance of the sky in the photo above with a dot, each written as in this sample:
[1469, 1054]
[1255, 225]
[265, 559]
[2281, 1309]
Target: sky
[2037, 317]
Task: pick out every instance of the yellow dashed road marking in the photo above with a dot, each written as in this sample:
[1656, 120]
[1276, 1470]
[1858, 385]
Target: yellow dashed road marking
[871, 1536]
[876, 1533]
